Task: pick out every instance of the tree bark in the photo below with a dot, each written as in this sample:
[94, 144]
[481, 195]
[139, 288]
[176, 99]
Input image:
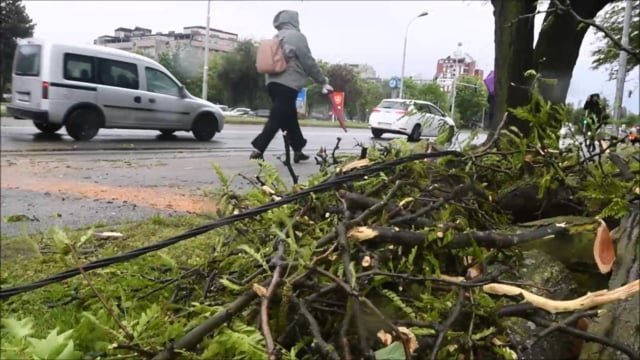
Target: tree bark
[621, 320]
[513, 57]
[558, 45]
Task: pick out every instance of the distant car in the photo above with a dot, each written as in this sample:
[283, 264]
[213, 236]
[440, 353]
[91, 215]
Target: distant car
[239, 112]
[414, 118]
[86, 87]
[263, 112]
[609, 131]
[223, 108]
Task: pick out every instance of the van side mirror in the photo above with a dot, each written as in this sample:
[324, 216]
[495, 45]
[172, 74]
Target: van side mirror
[183, 92]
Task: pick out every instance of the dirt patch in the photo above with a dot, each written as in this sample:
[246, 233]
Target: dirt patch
[166, 198]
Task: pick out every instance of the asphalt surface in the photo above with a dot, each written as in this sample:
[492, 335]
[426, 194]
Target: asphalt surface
[128, 175]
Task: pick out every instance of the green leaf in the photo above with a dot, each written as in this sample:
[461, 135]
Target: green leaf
[69, 353]
[50, 346]
[60, 241]
[395, 351]
[18, 328]
[483, 333]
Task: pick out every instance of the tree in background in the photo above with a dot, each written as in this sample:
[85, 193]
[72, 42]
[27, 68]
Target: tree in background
[238, 75]
[470, 101]
[345, 78]
[15, 23]
[184, 66]
[607, 53]
[431, 92]
[372, 94]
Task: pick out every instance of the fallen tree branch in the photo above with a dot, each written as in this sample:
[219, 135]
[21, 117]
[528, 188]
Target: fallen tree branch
[555, 306]
[327, 350]
[264, 314]
[442, 330]
[194, 337]
[486, 239]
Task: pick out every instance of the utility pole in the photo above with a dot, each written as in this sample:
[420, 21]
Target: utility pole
[205, 71]
[622, 63]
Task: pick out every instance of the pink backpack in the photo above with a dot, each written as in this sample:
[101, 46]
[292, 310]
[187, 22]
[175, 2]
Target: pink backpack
[270, 59]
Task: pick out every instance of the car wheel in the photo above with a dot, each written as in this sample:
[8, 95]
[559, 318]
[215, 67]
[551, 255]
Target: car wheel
[415, 134]
[83, 124]
[167, 132]
[47, 128]
[204, 127]
[377, 133]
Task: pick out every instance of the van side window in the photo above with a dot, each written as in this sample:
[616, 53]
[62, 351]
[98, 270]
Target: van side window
[118, 73]
[158, 82]
[78, 68]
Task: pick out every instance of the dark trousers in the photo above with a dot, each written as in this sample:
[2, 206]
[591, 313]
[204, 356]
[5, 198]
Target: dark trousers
[283, 116]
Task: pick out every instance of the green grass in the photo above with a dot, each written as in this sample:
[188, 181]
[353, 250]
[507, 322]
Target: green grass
[306, 122]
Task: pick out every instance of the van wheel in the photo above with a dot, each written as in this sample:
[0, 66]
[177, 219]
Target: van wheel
[415, 134]
[83, 124]
[377, 133]
[47, 128]
[204, 127]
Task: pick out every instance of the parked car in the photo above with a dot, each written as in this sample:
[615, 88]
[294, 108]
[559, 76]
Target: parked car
[413, 118]
[86, 88]
[263, 112]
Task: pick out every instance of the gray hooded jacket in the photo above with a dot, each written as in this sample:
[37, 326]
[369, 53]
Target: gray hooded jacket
[300, 63]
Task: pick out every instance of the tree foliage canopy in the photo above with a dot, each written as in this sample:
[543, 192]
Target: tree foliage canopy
[15, 23]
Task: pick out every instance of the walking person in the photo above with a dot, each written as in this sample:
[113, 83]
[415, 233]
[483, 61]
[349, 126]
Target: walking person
[283, 87]
[594, 119]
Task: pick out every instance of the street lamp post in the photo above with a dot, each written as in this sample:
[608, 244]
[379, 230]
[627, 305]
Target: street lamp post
[205, 70]
[404, 51]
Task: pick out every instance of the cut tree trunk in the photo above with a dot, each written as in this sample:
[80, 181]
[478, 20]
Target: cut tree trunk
[621, 320]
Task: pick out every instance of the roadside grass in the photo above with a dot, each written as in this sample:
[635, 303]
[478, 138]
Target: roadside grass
[306, 122]
[32, 257]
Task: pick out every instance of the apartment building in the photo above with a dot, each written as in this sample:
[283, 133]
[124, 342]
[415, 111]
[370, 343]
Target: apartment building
[192, 38]
[451, 67]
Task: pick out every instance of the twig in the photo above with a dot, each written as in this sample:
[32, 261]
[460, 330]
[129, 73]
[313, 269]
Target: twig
[287, 158]
[140, 351]
[565, 322]
[325, 348]
[457, 191]
[192, 338]
[106, 306]
[264, 314]
[166, 284]
[587, 336]
[335, 148]
[447, 324]
[526, 16]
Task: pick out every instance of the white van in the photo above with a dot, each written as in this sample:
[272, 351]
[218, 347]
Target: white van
[85, 88]
[413, 118]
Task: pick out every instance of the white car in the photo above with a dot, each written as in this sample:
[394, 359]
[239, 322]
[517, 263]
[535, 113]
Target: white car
[238, 112]
[413, 118]
[86, 88]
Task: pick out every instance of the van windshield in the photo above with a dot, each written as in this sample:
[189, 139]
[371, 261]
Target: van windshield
[27, 62]
[396, 105]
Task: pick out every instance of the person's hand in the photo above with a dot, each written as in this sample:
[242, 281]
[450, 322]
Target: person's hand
[326, 88]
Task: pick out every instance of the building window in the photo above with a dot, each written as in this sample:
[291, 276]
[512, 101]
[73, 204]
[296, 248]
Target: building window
[118, 73]
[78, 68]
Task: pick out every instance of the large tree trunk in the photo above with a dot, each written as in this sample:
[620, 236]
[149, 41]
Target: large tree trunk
[621, 319]
[558, 46]
[513, 57]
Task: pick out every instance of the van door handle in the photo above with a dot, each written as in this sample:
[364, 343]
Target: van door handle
[152, 100]
[137, 99]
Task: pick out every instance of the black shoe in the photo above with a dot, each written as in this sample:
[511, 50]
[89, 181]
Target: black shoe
[300, 156]
[256, 155]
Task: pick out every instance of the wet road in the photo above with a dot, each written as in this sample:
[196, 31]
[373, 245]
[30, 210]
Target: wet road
[127, 175]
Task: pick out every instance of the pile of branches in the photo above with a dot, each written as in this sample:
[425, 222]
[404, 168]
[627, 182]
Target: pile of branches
[415, 261]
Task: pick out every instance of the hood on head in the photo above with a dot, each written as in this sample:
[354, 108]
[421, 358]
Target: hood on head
[286, 18]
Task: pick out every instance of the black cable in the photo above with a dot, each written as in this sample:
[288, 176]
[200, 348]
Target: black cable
[130, 255]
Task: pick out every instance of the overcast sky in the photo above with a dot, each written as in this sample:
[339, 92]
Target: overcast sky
[370, 32]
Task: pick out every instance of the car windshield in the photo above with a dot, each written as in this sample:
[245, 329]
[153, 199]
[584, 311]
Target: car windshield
[396, 105]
